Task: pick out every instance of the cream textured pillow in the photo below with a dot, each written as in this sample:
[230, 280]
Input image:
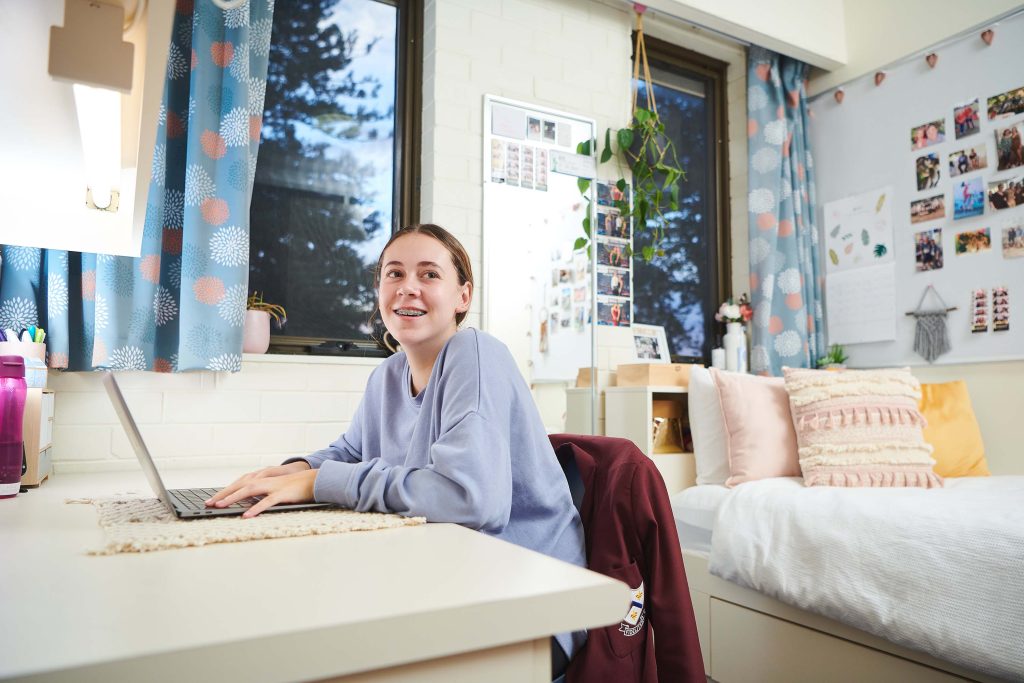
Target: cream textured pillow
[759, 430]
[859, 428]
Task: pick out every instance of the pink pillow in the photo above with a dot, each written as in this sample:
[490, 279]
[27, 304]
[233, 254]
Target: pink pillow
[860, 428]
[759, 427]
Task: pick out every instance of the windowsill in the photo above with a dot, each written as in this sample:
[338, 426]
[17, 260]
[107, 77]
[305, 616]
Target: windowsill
[309, 360]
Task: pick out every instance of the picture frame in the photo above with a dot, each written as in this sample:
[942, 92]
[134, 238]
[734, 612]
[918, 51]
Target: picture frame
[650, 345]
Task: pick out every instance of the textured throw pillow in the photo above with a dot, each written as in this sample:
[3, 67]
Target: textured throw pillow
[707, 426]
[859, 428]
[759, 430]
[952, 430]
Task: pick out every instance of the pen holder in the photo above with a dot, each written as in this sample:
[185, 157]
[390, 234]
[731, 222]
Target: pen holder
[35, 360]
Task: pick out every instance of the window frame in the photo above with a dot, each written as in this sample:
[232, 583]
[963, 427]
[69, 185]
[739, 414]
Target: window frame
[715, 71]
[408, 135]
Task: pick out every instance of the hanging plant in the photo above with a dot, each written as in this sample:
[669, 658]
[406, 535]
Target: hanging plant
[650, 157]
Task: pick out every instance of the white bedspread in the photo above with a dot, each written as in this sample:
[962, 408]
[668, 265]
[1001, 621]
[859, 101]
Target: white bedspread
[936, 570]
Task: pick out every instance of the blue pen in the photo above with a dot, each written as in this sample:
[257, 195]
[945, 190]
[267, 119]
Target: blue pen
[3, 337]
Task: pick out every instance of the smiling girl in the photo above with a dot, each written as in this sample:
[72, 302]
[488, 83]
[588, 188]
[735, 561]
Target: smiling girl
[447, 428]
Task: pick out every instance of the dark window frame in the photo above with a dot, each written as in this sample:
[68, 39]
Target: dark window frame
[408, 148]
[669, 55]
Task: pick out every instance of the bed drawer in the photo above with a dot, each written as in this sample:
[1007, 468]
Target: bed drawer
[751, 646]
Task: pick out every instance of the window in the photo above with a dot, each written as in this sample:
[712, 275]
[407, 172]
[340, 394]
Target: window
[335, 168]
[682, 289]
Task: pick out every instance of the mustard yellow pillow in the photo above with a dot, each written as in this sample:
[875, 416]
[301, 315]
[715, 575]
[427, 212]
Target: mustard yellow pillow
[952, 430]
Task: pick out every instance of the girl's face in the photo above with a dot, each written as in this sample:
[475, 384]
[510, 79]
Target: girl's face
[420, 293]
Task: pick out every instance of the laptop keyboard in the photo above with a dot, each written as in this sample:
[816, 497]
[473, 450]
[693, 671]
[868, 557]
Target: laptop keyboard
[195, 499]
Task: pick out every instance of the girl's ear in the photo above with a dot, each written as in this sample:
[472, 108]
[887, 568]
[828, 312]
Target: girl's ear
[466, 298]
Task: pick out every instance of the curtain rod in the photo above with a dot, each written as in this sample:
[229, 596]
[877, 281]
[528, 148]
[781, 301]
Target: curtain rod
[934, 47]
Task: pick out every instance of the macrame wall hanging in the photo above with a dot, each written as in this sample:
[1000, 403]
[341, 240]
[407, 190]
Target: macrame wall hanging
[931, 337]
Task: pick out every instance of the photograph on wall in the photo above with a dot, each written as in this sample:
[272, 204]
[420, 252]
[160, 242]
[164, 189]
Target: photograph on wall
[497, 161]
[550, 131]
[610, 253]
[610, 223]
[541, 179]
[512, 152]
[929, 171]
[966, 118]
[607, 194]
[979, 311]
[928, 134]
[563, 135]
[1007, 193]
[928, 209]
[526, 178]
[1009, 147]
[613, 312]
[1006, 104]
[613, 281]
[1013, 241]
[533, 128]
[973, 241]
[967, 160]
[858, 230]
[968, 198]
[650, 345]
[928, 249]
[1000, 309]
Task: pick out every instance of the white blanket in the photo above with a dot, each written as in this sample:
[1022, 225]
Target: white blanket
[936, 570]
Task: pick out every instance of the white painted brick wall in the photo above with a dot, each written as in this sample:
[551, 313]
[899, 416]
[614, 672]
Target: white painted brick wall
[276, 407]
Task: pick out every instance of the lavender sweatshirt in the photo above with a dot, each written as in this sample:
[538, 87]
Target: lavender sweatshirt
[469, 449]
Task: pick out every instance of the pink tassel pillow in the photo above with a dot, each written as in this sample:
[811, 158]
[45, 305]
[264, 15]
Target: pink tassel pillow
[859, 428]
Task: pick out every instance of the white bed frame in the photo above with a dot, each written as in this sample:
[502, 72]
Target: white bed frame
[747, 636]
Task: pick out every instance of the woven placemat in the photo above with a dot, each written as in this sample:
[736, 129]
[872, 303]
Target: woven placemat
[141, 525]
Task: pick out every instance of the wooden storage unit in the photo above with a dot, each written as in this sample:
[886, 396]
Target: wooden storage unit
[37, 427]
[629, 413]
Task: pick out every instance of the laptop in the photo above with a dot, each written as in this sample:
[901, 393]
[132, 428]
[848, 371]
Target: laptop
[185, 503]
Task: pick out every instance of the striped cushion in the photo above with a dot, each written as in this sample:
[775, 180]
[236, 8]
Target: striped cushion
[859, 428]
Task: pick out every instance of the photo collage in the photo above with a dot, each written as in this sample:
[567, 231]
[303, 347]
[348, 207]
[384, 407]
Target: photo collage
[517, 162]
[566, 304]
[983, 187]
[613, 240]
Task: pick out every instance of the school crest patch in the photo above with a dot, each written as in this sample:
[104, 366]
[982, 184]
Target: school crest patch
[633, 622]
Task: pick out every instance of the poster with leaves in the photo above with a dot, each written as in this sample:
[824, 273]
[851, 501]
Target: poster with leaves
[858, 231]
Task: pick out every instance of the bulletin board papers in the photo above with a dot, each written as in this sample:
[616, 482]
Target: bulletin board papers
[579, 165]
[861, 304]
[859, 231]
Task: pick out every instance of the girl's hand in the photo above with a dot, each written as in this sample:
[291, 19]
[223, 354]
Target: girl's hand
[291, 483]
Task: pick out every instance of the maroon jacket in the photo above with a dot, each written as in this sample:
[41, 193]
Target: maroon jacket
[631, 536]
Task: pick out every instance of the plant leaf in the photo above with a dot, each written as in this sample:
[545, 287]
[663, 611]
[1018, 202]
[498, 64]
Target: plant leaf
[606, 153]
[583, 184]
[586, 225]
[648, 253]
[621, 184]
[625, 138]
[580, 243]
[642, 116]
[583, 148]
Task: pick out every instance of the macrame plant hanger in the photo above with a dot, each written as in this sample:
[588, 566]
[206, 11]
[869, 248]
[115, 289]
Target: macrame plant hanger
[640, 58]
[931, 337]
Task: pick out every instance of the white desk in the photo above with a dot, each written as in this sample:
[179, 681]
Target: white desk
[430, 603]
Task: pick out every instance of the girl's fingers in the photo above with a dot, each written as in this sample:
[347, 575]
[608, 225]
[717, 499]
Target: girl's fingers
[259, 507]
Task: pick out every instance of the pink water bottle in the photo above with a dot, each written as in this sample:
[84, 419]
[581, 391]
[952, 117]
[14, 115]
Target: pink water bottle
[12, 412]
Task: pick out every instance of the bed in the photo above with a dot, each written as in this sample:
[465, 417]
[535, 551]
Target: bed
[794, 583]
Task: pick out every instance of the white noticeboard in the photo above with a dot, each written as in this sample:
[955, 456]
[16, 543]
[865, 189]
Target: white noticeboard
[538, 291]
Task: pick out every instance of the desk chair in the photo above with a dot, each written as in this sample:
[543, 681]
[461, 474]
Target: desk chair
[631, 535]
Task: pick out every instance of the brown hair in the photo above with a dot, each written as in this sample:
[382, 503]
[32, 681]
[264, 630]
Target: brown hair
[460, 259]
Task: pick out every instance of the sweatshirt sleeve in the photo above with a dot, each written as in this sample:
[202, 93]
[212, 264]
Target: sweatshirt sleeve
[346, 448]
[468, 480]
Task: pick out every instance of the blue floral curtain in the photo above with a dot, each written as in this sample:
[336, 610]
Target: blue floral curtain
[181, 304]
[784, 261]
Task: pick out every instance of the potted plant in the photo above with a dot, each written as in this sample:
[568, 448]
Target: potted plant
[835, 359]
[256, 330]
[642, 149]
